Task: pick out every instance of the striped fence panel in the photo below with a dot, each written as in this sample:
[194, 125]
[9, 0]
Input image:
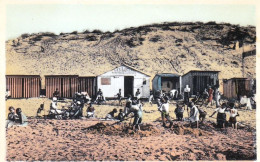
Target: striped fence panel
[87, 84]
[23, 86]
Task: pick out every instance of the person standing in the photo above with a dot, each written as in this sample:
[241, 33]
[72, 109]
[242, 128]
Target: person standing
[164, 109]
[119, 97]
[221, 117]
[211, 91]
[194, 114]
[138, 115]
[232, 117]
[151, 98]
[217, 97]
[138, 94]
[186, 94]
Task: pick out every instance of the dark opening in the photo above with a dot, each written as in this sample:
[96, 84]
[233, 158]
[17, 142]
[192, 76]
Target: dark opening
[43, 92]
[169, 83]
[200, 83]
[23, 88]
[61, 89]
[128, 85]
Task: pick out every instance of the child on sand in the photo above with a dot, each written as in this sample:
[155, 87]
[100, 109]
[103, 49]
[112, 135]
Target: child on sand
[138, 115]
[179, 112]
[11, 117]
[90, 111]
[111, 115]
[233, 114]
[22, 119]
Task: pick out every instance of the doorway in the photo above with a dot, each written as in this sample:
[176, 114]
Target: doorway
[128, 85]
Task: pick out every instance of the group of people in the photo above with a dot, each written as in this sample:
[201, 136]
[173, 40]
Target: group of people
[196, 114]
[208, 96]
[134, 105]
[16, 117]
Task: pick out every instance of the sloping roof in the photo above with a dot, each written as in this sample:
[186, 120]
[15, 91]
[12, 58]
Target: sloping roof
[167, 75]
[61, 75]
[22, 75]
[125, 66]
[200, 71]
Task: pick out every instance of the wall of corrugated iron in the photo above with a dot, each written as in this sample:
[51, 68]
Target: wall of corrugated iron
[203, 78]
[234, 88]
[88, 84]
[67, 85]
[23, 86]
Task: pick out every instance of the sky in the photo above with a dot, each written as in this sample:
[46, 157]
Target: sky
[57, 18]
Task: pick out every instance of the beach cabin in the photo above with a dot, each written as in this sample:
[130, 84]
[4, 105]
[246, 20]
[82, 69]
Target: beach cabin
[166, 82]
[125, 78]
[66, 84]
[23, 86]
[199, 80]
[237, 87]
[88, 84]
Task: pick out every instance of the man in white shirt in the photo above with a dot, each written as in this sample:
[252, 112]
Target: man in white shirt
[164, 109]
[194, 114]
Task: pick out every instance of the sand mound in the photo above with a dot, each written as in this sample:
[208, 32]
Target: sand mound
[184, 130]
[123, 129]
[67, 140]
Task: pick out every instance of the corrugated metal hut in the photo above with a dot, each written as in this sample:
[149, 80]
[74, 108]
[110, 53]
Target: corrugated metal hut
[199, 80]
[125, 78]
[88, 84]
[166, 82]
[66, 84]
[23, 86]
[237, 87]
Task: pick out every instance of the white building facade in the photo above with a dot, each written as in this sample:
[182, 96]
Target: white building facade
[125, 78]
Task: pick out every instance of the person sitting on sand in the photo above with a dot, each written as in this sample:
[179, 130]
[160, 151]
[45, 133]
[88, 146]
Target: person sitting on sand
[164, 109]
[11, 117]
[21, 118]
[100, 95]
[111, 115]
[7, 94]
[120, 116]
[54, 103]
[40, 109]
[138, 115]
[232, 117]
[244, 101]
[90, 111]
[179, 112]
[56, 93]
[221, 117]
[194, 114]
